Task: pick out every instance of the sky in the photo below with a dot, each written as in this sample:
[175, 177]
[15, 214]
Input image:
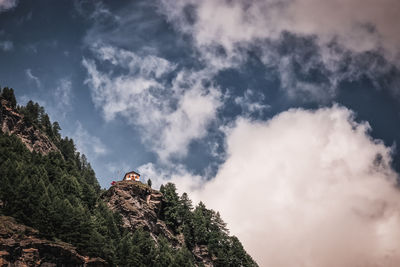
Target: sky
[281, 114]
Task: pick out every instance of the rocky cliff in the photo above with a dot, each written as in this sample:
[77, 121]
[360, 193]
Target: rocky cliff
[140, 207]
[12, 122]
[64, 202]
[21, 246]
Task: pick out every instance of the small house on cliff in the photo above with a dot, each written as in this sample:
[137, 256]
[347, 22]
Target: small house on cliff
[132, 176]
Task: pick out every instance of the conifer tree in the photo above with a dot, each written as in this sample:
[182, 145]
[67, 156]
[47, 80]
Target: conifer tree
[8, 94]
[171, 210]
[59, 195]
[164, 255]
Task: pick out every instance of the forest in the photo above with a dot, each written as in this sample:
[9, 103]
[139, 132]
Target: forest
[59, 195]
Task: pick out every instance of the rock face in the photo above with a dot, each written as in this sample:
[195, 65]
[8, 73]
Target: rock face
[12, 122]
[140, 206]
[21, 246]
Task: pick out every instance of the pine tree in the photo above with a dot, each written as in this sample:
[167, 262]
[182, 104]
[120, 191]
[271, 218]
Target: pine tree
[183, 258]
[171, 209]
[200, 231]
[8, 94]
[56, 131]
[46, 125]
[164, 256]
[59, 195]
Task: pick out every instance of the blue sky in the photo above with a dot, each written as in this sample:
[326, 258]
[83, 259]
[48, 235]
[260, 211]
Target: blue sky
[163, 86]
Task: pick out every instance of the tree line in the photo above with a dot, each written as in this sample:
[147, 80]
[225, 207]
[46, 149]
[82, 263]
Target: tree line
[59, 195]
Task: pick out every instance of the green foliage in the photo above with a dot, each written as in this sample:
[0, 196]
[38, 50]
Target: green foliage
[53, 195]
[56, 131]
[201, 227]
[31, 113]
[8, 94]
[58, 194]
[171, 210]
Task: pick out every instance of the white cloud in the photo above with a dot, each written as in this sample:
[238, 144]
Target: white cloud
[175, 173]
[95, 11]
[32, 77]
[57, 103]
[88, 144]
[169, 115]
[234, 27]
[6, 45]
[359, 25]
[308, 188]
[7, 4]
[62, 94]
[118, 169]
[252, 103]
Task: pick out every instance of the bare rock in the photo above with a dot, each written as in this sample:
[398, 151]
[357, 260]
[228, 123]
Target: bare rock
[20, 245]
[202, 254]
[140, 207]
[12, 122]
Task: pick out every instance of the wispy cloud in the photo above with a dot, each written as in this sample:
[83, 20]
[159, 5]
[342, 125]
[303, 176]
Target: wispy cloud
[358, 25]
[62, 94]
[6, 45]
[225, 31]
[7, 4]
[93, 10]
[88, 144]
[176, 173]
[170, 114]
[33, 78]
[252, 103]
[118, 169]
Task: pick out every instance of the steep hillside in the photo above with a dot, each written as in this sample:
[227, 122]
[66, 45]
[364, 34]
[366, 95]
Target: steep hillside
[12, 121]
[168, 217]
[140, 207]
[21, 246]
[48, 186]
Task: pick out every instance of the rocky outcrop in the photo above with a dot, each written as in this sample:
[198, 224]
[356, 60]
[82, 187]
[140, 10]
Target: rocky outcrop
[201, 254]
[12, 122]
[21, 246]
[139, 206]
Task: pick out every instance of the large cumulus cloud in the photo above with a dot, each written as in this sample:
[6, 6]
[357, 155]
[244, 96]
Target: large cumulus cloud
[308, 188]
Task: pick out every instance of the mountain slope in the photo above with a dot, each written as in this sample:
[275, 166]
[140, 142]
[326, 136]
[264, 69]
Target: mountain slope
[13, 122]
[168, 217]
[48, 185]
[21, 246]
